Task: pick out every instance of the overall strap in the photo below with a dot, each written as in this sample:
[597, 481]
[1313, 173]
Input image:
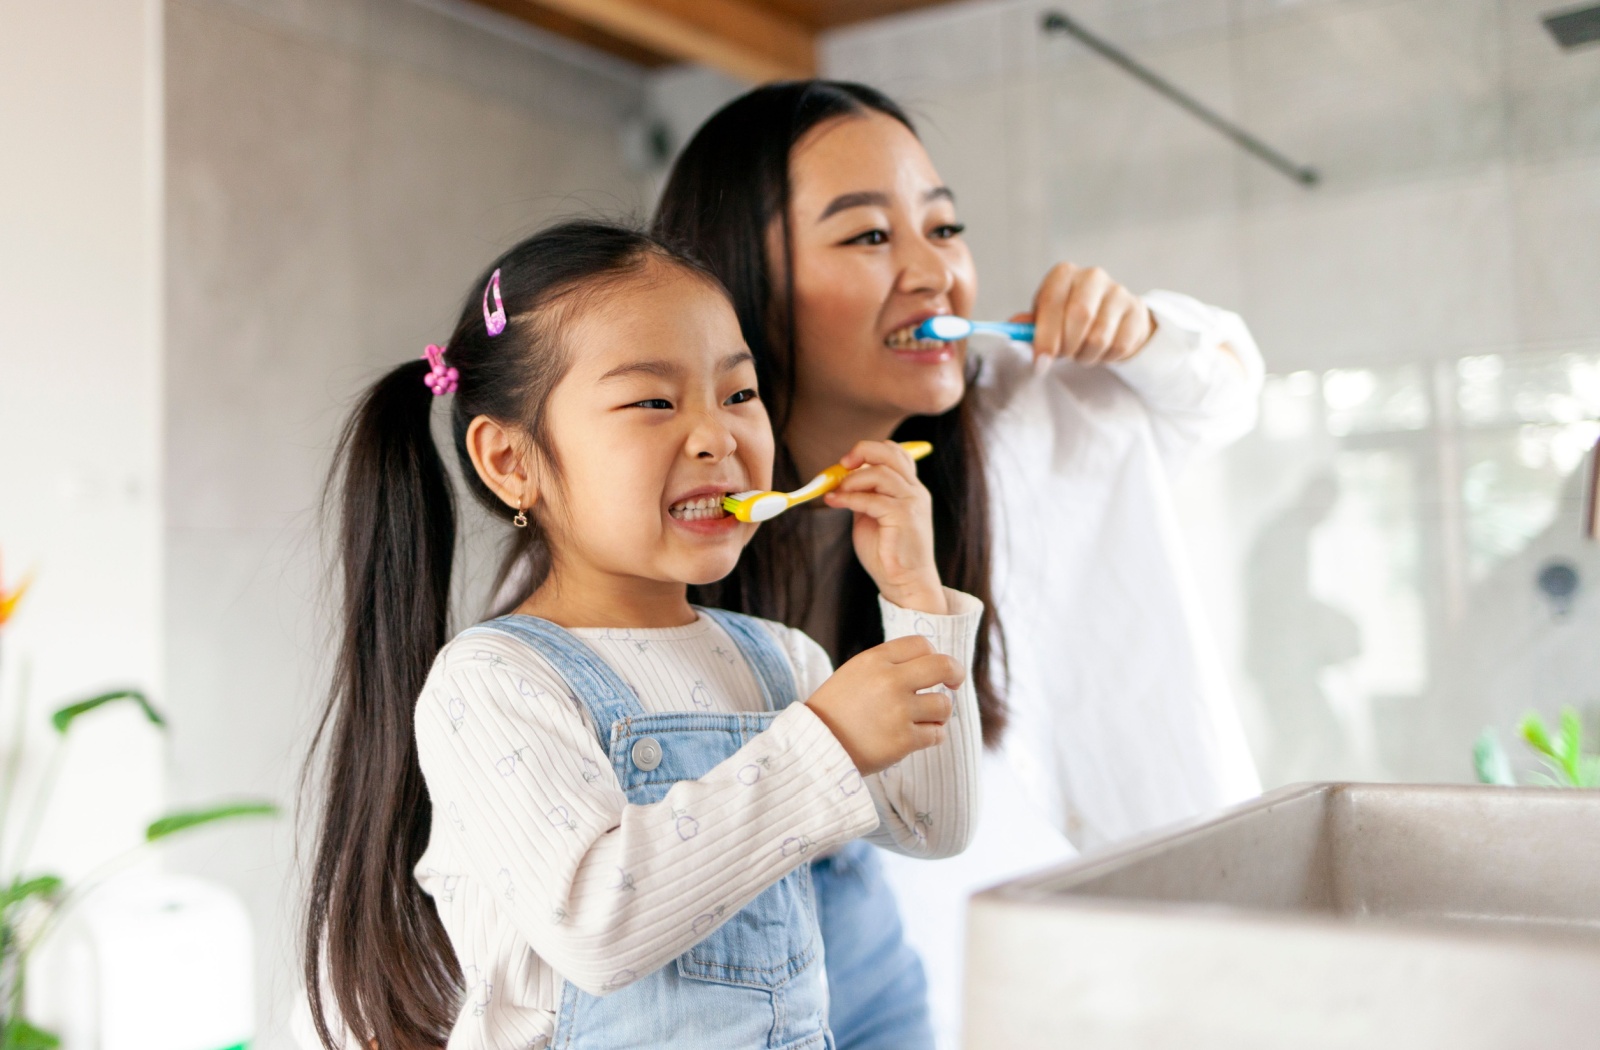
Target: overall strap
[592, 681]
[763, 653]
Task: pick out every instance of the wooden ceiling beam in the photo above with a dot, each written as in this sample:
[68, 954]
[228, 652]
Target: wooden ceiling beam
[736, 37]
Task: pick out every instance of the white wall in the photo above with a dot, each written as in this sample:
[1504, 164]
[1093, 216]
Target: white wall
[81, 399]
[337, 172]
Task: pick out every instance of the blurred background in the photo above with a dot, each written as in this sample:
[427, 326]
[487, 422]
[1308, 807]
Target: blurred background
[219, 218]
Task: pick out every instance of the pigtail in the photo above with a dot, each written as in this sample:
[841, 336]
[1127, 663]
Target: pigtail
[375, 947]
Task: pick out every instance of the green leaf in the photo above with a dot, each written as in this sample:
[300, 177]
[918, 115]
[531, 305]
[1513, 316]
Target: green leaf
[38, 886]
[1491, 762]
[1532, 729]
[1571, 744]
[173, 823]
[63, 718]
[20, 1035]
[1589, 772]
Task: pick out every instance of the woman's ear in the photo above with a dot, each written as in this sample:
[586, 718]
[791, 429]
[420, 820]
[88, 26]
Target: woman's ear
[503, 458]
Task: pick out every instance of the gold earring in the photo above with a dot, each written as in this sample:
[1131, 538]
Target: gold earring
[521, 520]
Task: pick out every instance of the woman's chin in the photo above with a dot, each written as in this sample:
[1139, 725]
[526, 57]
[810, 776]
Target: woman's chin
[931, 398]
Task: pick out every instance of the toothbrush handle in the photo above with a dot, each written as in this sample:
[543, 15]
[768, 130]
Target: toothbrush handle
[1022, 333]
[829, 479]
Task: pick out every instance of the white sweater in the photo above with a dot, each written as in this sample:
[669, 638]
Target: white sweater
[543, 872]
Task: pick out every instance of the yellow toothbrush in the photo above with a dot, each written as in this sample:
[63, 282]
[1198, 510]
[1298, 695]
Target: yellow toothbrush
[758, 505]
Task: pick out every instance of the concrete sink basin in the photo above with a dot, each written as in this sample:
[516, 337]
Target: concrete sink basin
[1326, 915]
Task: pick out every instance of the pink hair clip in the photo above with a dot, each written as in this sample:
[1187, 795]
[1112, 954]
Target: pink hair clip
[494, 321]
[441, 379]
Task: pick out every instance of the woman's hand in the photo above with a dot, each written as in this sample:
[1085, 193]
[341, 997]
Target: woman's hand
[874, 705]
[893, 529]
[1083, 315]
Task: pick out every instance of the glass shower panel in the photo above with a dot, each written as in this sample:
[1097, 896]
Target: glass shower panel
[1408, 561]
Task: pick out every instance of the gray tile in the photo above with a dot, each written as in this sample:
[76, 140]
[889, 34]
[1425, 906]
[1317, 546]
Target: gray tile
[1199, 257]
[1373, 94]
[1556, 209]
[260, 224]
[1404, 273]
[1552, 95]
[1115, 153]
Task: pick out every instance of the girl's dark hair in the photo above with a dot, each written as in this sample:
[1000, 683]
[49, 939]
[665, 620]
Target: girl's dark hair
[373, 939]
[727, 190]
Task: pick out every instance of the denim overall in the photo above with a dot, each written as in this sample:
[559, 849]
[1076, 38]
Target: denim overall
[877, 992]
[756, 980]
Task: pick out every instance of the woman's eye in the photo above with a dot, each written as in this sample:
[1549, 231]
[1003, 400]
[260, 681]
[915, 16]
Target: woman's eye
[870, 237]
[949, 230]
[741, 397]
[654, 402]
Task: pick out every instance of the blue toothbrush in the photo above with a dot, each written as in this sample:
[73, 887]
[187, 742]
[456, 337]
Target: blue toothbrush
[947, 328]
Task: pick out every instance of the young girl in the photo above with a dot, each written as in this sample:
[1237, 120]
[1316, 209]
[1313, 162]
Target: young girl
[589, 823]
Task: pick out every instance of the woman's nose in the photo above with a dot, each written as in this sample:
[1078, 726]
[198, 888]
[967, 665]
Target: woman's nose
[923, 270]
[710, 440]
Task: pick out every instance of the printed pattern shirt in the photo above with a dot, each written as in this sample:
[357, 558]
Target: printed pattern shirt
[543, 872]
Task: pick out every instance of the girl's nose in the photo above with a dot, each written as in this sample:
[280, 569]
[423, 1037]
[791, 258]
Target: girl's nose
[710, 440]
[923, 270]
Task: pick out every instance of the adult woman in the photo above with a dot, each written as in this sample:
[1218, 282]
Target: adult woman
[817, 206]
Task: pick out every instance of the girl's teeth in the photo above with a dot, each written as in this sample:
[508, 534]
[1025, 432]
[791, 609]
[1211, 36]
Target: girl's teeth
[698, 509]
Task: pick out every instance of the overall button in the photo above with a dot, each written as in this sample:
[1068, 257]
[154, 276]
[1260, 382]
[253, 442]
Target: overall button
[646, 753]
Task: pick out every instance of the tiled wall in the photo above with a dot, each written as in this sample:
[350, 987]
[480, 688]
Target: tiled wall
[337, 171]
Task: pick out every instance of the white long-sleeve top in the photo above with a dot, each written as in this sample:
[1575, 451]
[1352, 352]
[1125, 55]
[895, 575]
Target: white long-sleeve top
[541, 869]
[1121, 716]
[1122, 719]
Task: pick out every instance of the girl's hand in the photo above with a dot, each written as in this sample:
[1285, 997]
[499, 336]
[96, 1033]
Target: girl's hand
[893, 529]
[874, 705]
[1083, 315]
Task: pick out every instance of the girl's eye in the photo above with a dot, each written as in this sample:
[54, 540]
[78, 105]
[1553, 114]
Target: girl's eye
[870, 237]
[949, 230]
[741, 397]
[654, 402]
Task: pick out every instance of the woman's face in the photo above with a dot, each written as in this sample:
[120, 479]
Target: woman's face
[876, 249]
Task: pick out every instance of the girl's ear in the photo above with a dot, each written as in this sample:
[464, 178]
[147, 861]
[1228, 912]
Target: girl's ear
[503, 458]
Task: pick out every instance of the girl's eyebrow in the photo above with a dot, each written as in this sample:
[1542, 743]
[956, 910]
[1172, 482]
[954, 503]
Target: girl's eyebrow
[664, 369]
[673, 370]
[878, 199]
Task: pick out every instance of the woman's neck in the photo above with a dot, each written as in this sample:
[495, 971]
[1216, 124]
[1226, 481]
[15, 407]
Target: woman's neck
[818, 435]
[585, 596]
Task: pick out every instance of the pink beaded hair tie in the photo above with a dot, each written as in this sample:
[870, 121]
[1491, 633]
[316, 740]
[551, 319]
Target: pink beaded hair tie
[441, 378]
[494, 320]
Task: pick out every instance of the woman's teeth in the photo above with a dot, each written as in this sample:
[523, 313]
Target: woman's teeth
[906, 339]
[698, 509]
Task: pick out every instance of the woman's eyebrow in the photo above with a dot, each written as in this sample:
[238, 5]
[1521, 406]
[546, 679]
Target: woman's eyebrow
[877, 199]
[863, 199]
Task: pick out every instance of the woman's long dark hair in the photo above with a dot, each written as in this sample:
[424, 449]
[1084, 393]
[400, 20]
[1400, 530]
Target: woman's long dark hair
[374, 944]
[727, 190]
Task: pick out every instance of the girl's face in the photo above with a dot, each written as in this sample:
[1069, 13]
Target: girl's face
[876, 249]
[656, 419]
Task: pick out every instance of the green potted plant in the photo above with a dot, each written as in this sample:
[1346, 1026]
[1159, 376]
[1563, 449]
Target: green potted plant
[32, 902]
[1562, 754]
